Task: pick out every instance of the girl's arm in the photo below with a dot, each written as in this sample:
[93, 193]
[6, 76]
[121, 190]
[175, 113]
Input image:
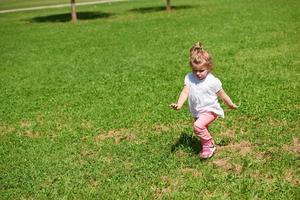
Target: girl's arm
[222, 94]
[182, 98]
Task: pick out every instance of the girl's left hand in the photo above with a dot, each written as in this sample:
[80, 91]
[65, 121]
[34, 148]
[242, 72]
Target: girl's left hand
[233, 106]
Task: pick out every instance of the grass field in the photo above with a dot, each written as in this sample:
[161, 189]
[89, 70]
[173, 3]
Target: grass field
[84, 107]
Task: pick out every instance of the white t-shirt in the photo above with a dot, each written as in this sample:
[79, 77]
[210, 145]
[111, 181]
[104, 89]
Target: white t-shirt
[202, 94]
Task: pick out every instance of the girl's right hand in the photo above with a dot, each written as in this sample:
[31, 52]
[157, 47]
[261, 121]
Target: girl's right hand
[175, 106]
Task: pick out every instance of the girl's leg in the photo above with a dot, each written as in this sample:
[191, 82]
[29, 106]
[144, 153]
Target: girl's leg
[201, 130]
[201, 125]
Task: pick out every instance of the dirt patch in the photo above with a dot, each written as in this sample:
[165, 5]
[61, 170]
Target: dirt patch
[290, 176]
[93, 183]
[228, 133]
[28, 131]
[31, 134]
[191, 171]
[226, 165]
[260, 155]
[276, 122]
[213, 194]
[162, 128]
[256, 174]
[265, 156]
[160, 192]
[88, 153]
[174, 126]
[294, 147]
[243, 148]
[6, 130]
[107, 160]
[117, 135]
[25, 124]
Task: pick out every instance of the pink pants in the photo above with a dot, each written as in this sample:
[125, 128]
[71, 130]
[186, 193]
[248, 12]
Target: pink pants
[201, 125]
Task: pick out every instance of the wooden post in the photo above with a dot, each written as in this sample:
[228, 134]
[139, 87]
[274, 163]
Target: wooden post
[169, 6]
[73, 11]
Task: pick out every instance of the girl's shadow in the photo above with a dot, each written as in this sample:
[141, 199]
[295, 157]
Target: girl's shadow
[187, 141]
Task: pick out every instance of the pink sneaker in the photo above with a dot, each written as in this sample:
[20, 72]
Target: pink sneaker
[208, 149]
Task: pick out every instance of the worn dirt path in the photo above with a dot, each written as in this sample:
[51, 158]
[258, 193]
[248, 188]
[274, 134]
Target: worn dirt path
[59, 6]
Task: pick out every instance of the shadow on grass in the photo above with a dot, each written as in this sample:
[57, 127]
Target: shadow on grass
[159, 8]
[187, 141]
[66, 17]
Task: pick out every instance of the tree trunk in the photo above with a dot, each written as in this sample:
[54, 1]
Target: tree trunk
[169, 8]
[73, 11]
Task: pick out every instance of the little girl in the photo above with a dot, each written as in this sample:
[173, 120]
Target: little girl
[202, 89]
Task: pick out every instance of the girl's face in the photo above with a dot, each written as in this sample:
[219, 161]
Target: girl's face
[200, 71]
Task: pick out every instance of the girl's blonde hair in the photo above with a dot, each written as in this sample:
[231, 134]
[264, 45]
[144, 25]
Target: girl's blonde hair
[199, 56]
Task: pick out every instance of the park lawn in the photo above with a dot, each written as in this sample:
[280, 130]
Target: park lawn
[84, 107]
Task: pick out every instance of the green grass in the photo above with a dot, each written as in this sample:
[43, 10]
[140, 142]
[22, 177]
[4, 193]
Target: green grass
[84, 107]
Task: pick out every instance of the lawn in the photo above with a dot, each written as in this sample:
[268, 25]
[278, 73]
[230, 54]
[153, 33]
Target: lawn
[84, 107]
